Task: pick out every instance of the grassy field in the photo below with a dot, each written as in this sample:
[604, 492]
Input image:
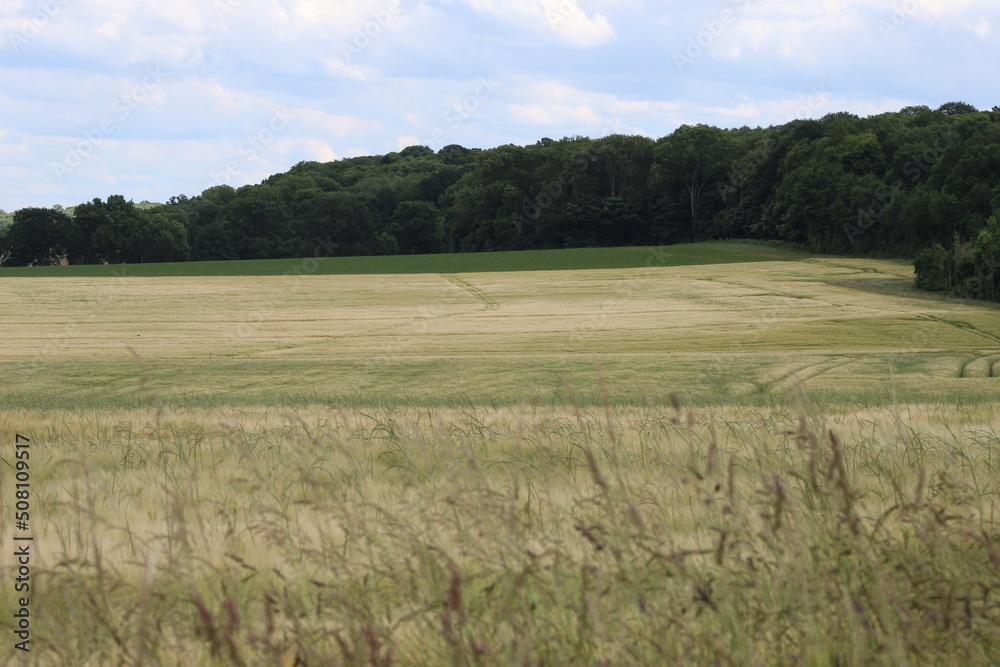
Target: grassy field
[780, 459]
[482, 262]
[716, 334]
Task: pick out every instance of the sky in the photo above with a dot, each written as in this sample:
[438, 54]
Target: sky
[155, 98]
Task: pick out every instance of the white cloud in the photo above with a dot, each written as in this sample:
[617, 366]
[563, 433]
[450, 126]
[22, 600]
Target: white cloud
[407, 140]
[326, 124]
[953, 8]
[186, 16]
[785, 10]
[343, 70]
[982, 28]
[556, 104]
[417, 69]
[320, 151]
[791, 34]
[564, 110]
[571, 23]
[563, 18]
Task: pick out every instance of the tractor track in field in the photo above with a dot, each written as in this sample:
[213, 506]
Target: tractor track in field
[471, 289]
[964, 326]
[809, 372]
[766, 291]
[983, 366]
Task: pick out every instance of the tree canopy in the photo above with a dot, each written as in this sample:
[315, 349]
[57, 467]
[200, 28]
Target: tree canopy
[889, 184]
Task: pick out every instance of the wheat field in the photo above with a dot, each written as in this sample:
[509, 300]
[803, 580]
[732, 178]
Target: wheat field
[788, 462]
[713, 334]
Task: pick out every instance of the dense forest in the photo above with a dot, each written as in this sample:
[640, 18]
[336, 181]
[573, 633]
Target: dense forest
[918, 183]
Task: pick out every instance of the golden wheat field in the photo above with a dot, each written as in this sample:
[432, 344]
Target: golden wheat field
[788, 462]
[709, 333]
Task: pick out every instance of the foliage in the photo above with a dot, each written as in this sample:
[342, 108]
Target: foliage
[120, 232]
[415, 227]
[36, 237]
[970, 270]
[932, 269]
[890, 184]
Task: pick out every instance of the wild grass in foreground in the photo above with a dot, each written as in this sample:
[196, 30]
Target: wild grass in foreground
[516, 536]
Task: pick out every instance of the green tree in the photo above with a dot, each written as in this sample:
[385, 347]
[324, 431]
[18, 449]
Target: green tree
[491, 206]
[957, 109]
[860, 154]
[208, 234]
[697, 156]
[259, 223]
[932, 270]
[87, 219]
[624, 160]
[806, 200]
[164, 238]
[415, 152]
[36, 237]
[433, 185]
[119, 239]
[344, 219]
[415, 227]
[986, 257]
[454, 154]
[118, 231]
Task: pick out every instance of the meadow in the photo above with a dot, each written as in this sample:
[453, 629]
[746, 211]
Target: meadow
[714, 454]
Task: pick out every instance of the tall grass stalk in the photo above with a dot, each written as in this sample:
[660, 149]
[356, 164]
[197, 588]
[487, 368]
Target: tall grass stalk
[523, 535]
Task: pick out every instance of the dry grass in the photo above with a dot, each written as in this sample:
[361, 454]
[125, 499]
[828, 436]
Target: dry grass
[720, 332]
[826, 496]
[516, 536]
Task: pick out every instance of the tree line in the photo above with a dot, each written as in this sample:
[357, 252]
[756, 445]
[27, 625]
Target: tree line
[892, 184]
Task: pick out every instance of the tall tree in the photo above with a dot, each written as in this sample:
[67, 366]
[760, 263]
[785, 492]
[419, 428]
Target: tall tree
[36, 236]
[342, 219]
[259, 223]
[164, 237]
[415, 227]
[119, 239]
[957, 109]
[624, 160]
[697, 156]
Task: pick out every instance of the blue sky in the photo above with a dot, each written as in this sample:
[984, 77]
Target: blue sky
[151, 98]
